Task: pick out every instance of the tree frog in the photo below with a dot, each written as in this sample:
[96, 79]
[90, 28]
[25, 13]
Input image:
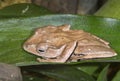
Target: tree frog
[61, 44]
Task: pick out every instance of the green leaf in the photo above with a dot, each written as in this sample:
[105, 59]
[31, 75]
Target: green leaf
[110, 9]
[117, 76]
[89, 68]
[33, 78]
[62, 72]
[13, 33]
[23, 10]
[103, 74]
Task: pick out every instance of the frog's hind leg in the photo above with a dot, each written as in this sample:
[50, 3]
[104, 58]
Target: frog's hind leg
[93, 51]
[64, 56]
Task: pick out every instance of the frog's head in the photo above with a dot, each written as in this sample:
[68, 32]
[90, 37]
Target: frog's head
[44, 50]
[43, 44]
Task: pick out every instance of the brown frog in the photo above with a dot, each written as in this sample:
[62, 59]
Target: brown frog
[60, 44]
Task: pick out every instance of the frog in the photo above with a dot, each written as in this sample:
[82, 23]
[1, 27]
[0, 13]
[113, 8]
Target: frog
[63, 44]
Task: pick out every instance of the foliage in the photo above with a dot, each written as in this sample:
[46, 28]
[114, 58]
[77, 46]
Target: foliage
[4, 3]
[16, 28]
[23, 10]
[110, 9]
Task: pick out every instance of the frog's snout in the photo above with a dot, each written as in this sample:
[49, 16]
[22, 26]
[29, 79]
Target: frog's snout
[31, 48]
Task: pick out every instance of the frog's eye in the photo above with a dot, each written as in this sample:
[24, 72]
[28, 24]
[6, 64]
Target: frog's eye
[41, 51]
[42, 48]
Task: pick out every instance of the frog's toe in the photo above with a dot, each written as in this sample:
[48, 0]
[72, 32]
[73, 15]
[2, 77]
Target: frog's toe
[41, 60]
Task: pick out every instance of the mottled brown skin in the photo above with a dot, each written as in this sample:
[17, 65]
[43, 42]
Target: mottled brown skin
[60, 44]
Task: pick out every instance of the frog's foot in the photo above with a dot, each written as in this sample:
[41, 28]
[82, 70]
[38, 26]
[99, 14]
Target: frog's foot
[42, 60]
[48, 60]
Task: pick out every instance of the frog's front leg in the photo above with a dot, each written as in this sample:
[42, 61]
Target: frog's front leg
[64, 56]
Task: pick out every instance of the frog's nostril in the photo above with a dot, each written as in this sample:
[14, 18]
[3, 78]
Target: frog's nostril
[28, 46]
